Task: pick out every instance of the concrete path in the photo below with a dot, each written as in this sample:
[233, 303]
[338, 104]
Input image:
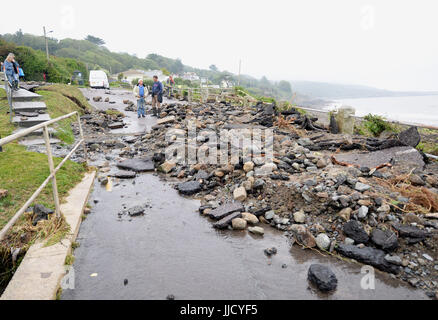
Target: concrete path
[39, 274]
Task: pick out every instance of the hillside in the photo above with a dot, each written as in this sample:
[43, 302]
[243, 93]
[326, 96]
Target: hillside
[97, 56]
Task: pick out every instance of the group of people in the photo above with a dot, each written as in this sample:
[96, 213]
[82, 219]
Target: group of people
[12, 70]
[141, 93]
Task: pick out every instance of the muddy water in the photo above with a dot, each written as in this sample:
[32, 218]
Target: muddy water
[172, 250]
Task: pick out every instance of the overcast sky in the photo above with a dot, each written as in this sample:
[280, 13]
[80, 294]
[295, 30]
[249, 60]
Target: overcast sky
[385, 43]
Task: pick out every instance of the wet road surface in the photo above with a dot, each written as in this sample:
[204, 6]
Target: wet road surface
[173, 250]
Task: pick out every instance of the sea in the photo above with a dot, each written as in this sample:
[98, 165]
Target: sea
[421, 110]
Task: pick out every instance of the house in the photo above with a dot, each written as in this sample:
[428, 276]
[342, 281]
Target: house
[132, 74]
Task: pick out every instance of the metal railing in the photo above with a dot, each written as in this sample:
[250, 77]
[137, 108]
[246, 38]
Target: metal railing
[9, 94]
[53, 170]
[205, 93]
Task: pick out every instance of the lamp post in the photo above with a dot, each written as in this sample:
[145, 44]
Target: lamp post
[47, 43]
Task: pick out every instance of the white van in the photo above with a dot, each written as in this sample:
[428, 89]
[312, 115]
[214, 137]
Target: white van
[98, 79]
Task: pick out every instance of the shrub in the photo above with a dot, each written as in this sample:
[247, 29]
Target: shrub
[375, 124]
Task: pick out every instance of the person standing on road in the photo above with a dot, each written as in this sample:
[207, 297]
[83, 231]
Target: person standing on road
[170, 84]
[10, 71]
[157, 96]
[140, 92]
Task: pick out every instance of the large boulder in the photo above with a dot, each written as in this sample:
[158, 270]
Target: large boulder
[322, 277]
[367, 255]
[410, 137]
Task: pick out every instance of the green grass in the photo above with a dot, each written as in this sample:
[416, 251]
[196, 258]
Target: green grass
[63, 99]
[22, 172]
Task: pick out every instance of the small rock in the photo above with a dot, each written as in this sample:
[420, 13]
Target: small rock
[239, 224]
[250, 218]
[363, 212]
[3, 193]
[322, 277]
[167, 166]
[300, 217]
[361, 187]
[323, 241]
[257, 230]
[394, 260]
[240, 194]
[249, 166]
[345, 214]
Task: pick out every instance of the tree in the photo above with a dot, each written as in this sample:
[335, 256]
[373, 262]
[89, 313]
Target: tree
[120, 77]
[165, 71]
[213, 68]
[177, 67]
[285, 86]
[95, 40]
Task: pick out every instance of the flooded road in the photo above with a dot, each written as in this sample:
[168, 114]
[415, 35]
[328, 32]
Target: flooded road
[172, 250]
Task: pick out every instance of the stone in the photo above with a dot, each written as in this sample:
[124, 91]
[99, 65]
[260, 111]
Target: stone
[413, 234]
[266, 170]
[270, 251]
[239, 224]
[40, 213]
[303, 235]
[354, 230]
[3, 193]
[226, 209]
[345, 214]
[166, 120]
[361, 187]
[257, 230]
[97, 99]
[259, 184]
[323, 241]
[240, 194]
[167, 166]
[370, 256]
[249, 166]
[225, 222]
[363, 212]
[189, 188]
[137, 165]
[116, 125]
[122, 174]
[427, 257]
[410, 137]
[394, 260]
[386, 240]
[299, 217]
[348, 241]
[321, 164]
[322, 277]
[250, 218]
[269, 215]
[416, 180]
[136, 211]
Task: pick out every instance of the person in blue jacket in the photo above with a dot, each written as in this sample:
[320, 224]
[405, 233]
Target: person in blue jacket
[11, 71]
[157, 96]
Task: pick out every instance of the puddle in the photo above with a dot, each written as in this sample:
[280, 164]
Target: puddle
[173, 250]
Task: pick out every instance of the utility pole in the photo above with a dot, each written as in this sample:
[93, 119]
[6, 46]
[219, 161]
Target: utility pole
[47, 43]
[240, 70]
